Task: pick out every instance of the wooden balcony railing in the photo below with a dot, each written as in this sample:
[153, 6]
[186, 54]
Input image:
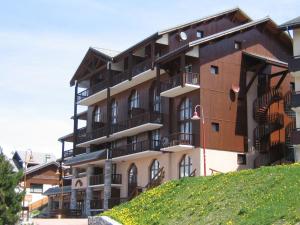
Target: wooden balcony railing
[96, 204]
[96, 133]
[177, 139]
[135, 148]
[119, 77]
[137, 120]
[141, 67]
[181, 79]
[92, 90]
[99, 179]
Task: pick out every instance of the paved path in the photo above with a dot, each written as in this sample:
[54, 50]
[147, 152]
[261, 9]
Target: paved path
[60, 221]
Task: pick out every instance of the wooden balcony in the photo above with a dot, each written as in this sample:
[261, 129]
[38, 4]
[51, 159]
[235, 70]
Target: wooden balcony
[178, 142]
[99, 179]
[295, 137]
[136, 150]
[121, 81]
[139, 123]
[180, 84]
[294, 64]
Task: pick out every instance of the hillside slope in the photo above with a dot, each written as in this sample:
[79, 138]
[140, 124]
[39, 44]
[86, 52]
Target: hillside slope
[269, 195]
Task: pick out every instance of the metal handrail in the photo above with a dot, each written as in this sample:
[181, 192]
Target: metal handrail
[179, 79]
[92, 90]
[177, 139]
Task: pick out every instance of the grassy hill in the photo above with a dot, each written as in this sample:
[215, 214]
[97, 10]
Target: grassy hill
[269, 195]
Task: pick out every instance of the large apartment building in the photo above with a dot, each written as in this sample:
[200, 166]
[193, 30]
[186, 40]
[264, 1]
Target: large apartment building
[294, 67]
[139, 104]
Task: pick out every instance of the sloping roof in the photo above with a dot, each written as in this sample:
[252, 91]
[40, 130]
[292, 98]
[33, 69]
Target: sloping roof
[266, 59]
[111, 55]
[219, 35]
[57, 190]
[222, 13]
[86, 157]
[37, 157]
[33, 169]
[294, 23]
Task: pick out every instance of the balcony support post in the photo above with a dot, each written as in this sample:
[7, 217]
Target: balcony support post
[108, 106]
[182, 69]
[152, 54]
[107, 183]
[75, 119]
[158, 79]
[89, 191]
[130, 64]
[73, 200]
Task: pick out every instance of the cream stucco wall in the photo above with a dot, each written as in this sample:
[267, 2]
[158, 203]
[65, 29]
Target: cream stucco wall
[296, 40]
[170, 162]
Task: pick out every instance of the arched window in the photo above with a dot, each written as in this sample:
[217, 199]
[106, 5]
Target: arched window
[133, 101]
[132, 178]
[97, 115]
[185, 166]
[154, 168]
[114, 111]
[185, 123]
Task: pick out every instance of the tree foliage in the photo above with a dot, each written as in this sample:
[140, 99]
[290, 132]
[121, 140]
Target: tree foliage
[10, 194]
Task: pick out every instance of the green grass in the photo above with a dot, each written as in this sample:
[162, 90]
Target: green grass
[269, 195]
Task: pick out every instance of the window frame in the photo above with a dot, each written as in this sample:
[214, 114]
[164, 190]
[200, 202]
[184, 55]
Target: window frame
[214, 70]
[97, 117]
[114, 112]
[36, 188]
[133, 101]
[185, 166]
[154, 168]
[201, 32]
[215, 127]
[185, 114]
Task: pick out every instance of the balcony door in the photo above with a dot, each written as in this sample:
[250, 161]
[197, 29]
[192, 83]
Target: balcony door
[132, 179]
[185, 124]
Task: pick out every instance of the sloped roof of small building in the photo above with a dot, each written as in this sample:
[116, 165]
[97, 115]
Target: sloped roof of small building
[37, 157]
[294, 23]
[86, 157]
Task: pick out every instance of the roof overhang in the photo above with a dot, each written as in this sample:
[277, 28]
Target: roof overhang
[290, 25]
[86, 157]
[267, 60]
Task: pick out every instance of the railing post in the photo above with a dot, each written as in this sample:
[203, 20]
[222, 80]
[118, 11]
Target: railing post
[182, 69]
[130, 65]
[108, 101]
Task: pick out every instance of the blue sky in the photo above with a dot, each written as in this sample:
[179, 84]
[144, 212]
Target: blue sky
[42, 42]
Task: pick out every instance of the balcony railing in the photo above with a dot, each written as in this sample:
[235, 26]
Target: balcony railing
[96, 133]
[96, 204]
[181, 79]
[68, 153]
[99, 179]
[294, 64]
[92, 90]
[295, 102]
[295, 137]
[133, 148]
[177, 139]
[119, 77]
[137, 120]
[141, 67]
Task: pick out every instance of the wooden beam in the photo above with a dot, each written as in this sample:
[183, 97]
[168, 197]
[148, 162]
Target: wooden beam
[259, 69]
[281, 79]
[278, 73]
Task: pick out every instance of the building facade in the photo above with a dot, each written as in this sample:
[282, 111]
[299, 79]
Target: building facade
[139, 104]
[294, 67]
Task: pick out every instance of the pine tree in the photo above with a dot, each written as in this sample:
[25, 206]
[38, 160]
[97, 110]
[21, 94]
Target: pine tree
[10, 195]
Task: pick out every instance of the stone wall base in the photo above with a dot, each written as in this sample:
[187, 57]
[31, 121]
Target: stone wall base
[102, 220]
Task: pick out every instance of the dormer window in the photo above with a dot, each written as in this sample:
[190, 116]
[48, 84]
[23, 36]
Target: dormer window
[199, 34]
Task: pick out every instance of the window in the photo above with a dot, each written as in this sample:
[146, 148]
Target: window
[199, 34]
[97, 115]
[36, 188]
[185, 166]
[237, 45]
[188, 69]
[292, 86]
[154, 168]
[156, 100]
[132, 174]
[134, 102]
[155, 138]
[214, 70]
[215, 127]
[114, 111]
[185, 124]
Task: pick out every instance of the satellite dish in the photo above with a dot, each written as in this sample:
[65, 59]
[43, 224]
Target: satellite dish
[183, 36]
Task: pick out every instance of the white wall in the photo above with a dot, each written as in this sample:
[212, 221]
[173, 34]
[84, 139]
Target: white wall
[296, 39]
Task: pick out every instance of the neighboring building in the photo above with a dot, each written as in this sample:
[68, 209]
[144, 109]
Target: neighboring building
[36, 158]
[140, 102]
[40, 175]
[294, 67]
